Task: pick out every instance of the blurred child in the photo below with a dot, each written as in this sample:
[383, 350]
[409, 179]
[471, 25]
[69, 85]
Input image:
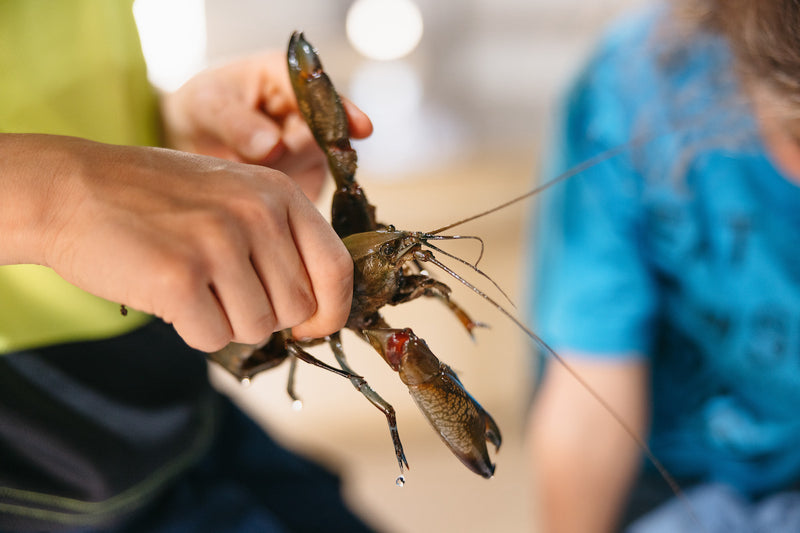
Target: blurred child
[669, 276]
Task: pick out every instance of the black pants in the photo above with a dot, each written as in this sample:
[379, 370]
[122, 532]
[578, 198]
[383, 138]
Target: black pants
[127, 435]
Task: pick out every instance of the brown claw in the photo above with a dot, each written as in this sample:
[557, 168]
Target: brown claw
[246, 360]
[459, 419]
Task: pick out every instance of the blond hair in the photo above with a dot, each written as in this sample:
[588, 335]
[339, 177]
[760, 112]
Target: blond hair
[764, 36]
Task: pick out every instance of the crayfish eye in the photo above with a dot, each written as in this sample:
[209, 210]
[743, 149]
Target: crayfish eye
[388, 249]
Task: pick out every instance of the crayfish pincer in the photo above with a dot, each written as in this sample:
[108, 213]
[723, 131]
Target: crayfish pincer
[461, 422]
[387, 270]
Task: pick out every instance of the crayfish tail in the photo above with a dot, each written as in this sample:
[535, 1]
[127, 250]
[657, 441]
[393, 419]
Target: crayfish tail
[322, 109]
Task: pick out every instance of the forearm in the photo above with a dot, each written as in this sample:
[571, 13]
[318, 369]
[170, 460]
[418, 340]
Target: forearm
[583, 463]
[578, 489]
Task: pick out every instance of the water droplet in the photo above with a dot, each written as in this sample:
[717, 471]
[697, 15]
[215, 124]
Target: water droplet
[400, 481]
[245, 382]
[297, 405]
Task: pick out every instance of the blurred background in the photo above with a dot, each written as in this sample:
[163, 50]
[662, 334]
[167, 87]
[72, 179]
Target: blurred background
[461, 94]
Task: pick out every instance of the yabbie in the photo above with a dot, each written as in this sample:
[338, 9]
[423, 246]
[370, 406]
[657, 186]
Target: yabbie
[387, 271]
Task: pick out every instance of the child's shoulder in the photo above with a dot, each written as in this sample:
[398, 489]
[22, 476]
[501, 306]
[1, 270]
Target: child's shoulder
[651, 47]
[648, 72]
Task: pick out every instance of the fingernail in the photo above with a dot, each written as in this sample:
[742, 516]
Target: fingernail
[261, 144]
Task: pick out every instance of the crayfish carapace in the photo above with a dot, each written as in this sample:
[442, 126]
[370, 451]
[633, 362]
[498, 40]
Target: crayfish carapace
[387, 271]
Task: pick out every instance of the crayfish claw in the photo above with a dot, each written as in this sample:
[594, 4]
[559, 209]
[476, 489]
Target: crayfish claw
[456, 416]
[492, 432]
[244, 361]
[464, 425]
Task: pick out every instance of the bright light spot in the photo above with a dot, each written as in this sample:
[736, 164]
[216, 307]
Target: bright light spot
[409, 135]
[384, 29]
[173, 35]
[392, 89]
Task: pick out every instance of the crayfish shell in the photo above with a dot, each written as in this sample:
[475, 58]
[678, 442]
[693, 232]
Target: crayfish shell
[460, 420]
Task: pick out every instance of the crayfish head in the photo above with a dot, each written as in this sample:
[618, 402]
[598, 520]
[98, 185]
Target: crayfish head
[386, 246]
[378, 260]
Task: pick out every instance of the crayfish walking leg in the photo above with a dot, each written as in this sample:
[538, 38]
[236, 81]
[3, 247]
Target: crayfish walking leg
[374, 398]
[246, 360]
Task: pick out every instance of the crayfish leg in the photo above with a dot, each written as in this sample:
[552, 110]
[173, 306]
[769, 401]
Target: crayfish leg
[290, 382]
[294, 349]
[415, 285]
[462, 316]
[295, 352]
[374, 398]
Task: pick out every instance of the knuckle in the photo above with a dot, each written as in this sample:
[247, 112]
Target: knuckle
[340, 272]
[219, 230]
[261, 206]
[212, 343]
[300, 307]
[180, 275]
[277, 181]
[341, 265]
[258, 328]
[305, 304]
[254, 209]
[203, 335]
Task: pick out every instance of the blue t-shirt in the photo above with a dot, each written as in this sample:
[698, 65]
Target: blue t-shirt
[684, 249]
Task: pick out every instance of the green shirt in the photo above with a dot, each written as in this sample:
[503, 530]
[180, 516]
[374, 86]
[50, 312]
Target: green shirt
[68, 68]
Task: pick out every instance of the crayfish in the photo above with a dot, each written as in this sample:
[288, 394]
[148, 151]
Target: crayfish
[387, 271]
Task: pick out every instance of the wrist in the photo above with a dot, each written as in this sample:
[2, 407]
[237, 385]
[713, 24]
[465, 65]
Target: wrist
[32, 195]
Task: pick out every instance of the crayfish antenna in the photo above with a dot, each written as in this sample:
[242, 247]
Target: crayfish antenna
[470, 265]
[425, 237]
[662, 470]
[592, 161]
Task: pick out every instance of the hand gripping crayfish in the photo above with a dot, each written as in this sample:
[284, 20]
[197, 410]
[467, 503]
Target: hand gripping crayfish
[387, 271]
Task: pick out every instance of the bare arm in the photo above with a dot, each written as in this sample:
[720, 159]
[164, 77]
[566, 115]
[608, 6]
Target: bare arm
[222, 250]
[583, 463]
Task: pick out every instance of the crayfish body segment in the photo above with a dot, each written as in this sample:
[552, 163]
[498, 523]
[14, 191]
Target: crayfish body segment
[322, 109]
[378, 259]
